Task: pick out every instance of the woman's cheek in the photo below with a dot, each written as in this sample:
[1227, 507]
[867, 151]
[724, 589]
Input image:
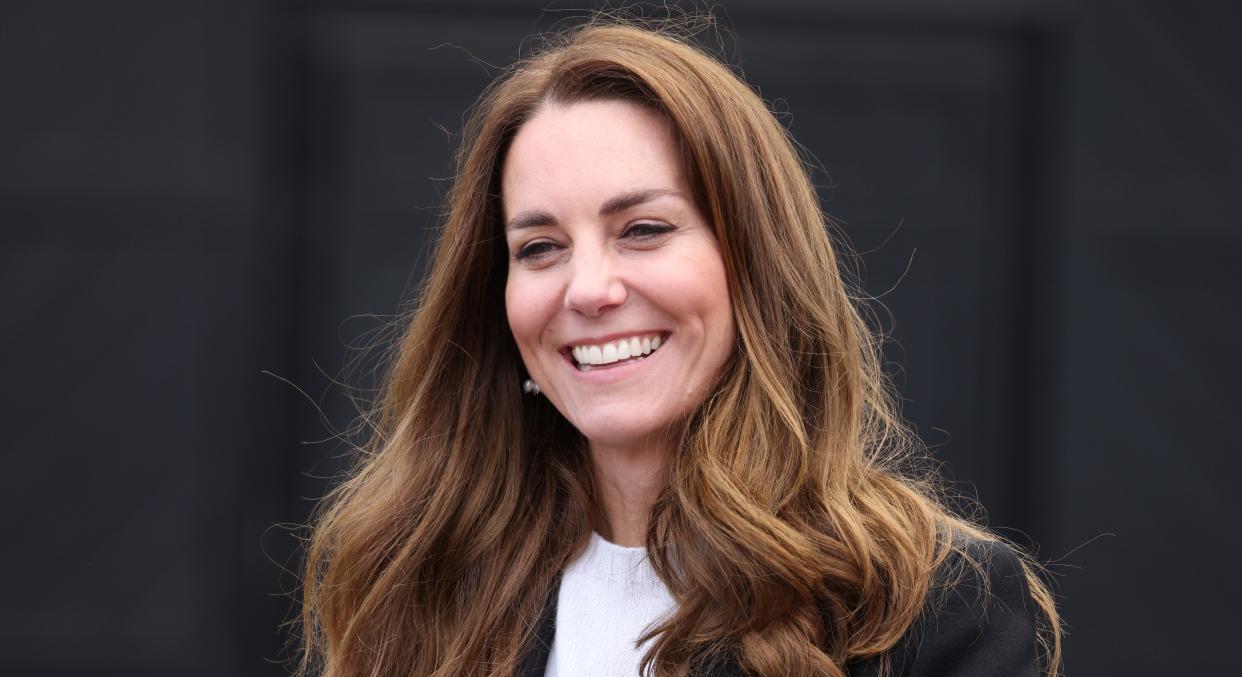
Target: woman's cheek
[530, 305]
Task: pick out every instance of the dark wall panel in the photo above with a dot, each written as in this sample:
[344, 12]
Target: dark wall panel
[128, 250]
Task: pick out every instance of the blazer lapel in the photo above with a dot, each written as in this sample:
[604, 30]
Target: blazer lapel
[535, 660]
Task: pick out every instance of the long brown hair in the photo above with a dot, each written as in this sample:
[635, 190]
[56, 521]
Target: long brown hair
[791, 481]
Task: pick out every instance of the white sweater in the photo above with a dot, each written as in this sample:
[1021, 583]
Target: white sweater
[608, 598]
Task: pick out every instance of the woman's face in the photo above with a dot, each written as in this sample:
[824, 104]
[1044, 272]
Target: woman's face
[616, 293]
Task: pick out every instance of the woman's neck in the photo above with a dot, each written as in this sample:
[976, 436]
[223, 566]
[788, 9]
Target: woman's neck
[629, 479]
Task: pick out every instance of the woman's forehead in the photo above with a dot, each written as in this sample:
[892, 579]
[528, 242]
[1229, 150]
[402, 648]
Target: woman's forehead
[583, 154]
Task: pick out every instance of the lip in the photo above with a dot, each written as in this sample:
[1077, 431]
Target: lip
[615, 372]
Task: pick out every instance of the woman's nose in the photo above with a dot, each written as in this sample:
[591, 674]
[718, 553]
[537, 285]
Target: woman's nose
[593, 285]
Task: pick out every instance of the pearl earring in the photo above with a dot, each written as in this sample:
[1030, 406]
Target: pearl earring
[531, 387]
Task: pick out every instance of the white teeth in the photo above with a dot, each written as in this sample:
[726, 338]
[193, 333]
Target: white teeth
[615, 351]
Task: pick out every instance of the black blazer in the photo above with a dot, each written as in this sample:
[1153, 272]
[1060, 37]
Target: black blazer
[962, 632]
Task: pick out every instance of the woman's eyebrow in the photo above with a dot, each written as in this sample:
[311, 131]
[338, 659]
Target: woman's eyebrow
[634, 198]
[614, 205]
[530, 219]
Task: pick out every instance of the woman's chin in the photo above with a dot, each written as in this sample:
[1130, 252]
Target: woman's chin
[602, 432]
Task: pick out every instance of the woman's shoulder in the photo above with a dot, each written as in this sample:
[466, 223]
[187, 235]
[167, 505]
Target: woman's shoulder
[979, 619]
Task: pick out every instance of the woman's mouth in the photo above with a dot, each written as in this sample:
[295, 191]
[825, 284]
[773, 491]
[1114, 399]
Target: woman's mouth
[620, 351]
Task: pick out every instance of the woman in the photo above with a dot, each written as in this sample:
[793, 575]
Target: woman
[638, 423]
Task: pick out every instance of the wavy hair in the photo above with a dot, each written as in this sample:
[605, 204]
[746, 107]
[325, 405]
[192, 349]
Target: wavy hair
[792, 481]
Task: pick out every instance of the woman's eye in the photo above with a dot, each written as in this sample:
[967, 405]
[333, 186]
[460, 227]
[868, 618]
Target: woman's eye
[535, 250]
[647, 230]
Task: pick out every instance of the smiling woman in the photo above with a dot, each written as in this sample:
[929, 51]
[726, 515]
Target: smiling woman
[706, 474]
[616, 292]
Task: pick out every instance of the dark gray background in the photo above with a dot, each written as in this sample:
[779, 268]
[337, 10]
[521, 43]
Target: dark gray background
[195, 193]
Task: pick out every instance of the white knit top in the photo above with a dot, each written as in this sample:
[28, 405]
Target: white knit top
[608, 598]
